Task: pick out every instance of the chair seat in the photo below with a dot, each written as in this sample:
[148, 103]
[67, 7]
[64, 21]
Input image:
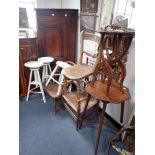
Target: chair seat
[63, 64]
[33, 64]
[52, 90]
[79, 71]
[116, 95]
[71, 99]
[46, 59]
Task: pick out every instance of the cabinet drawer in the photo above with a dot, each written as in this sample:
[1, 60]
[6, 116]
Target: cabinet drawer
[28, 52]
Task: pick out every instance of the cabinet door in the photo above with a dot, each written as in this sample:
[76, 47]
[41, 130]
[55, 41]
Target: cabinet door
[22, 81]
[53, 39]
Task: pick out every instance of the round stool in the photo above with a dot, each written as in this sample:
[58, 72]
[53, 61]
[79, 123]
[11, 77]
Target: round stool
[34, 69]
[46, 72]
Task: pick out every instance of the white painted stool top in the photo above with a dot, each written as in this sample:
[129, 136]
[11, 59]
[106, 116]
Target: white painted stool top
[63, 64]
[46, 59]
[33, 64]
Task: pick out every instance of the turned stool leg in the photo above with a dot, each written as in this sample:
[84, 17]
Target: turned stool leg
[46, 72]
[28, 92]
[36, 78]
[40, 85]
[43, 73]
[49, 67]
[54, 104]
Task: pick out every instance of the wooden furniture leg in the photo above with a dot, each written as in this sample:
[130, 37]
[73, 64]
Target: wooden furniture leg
[78, 117]
[83, 115]
[97, 108]
[53, 106]
[100, 127]
[122, 112]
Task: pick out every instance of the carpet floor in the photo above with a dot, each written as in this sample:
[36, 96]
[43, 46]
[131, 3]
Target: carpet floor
[43, 133]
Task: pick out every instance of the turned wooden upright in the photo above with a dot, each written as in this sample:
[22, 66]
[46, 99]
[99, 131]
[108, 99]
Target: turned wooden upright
[112, 56]
[117, 41]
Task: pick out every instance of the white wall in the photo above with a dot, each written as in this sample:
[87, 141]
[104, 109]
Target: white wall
[48, 3]
[66, 4]
[114, 110]
[71, 4]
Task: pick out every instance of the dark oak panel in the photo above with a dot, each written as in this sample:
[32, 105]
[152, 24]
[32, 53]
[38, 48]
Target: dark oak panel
[53, 38]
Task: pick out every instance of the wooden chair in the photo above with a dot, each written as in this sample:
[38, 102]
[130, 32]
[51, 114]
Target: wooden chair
[75, 101]
[88, 54]
[89, 43]
[79, 75]
[104, 87]
[54, 85]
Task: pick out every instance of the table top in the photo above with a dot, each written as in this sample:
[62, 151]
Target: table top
[124, 32]
[79, 71]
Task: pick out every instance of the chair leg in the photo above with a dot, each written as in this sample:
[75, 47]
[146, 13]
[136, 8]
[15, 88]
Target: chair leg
[78, 117]
[77, 123]
[122, 112]
[107, 148]
[100, 127]
[85, 108]
[97, 108]
[54, 106]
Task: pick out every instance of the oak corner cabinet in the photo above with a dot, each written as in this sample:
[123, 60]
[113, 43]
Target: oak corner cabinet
[57, 33]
